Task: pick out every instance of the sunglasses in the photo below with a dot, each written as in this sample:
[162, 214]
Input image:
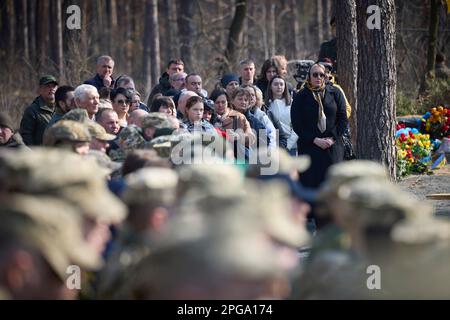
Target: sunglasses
[123, 101]
[318, 75]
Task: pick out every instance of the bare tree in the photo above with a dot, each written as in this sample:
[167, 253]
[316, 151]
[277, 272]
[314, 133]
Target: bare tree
[186, 27]
[326, 18]
[295, 15]
[432, 43]
[377, 79]
[173, 30]
[154, 38]
[347, 53]
[113, 26]
[319, 21]
[26, 47]
[271, 27]
[234, 38]
[59, 37]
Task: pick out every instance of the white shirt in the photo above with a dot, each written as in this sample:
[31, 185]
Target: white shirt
[282, 112]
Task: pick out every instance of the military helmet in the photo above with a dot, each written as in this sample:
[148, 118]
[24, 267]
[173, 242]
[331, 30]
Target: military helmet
[66, 130]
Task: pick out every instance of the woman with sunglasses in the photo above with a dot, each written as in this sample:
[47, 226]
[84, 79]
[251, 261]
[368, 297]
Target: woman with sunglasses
[121, 102]
[319, 118]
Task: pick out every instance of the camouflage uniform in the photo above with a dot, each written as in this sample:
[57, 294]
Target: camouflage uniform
[77, 114]
[51, 227]
[147, 188]
[391, 230]
[331, 237]
[66, 131]
[130, 138]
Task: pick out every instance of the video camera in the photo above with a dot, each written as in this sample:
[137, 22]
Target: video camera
[302, 70]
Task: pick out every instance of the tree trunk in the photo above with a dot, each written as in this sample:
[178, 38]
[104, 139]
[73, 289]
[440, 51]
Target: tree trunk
[272, 29]
[26, 47]
[154, 38]
[253, 41]
[128, 42]
[264, 32]
[347, 53]
[42, 32]
[326, 19]
[32, 7]
[11, 28]
[173, 31]
[319, 21]
[432, 44]
[295, 16]
[113, 28]
[146, 62]
[186, 26]
[59, 37]
[377, 79]
[235, 35]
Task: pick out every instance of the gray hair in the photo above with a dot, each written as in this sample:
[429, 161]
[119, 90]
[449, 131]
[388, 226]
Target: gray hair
[82, 90]
[124, 80]
[104, 58]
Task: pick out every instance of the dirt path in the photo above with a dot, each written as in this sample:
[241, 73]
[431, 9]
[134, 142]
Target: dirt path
[421, 185]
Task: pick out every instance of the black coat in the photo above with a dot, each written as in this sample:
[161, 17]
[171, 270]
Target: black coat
[304, 115]
[97, 82]
[162, 87]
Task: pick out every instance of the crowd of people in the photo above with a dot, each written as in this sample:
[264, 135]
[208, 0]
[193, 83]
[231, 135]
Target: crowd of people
[242, 193]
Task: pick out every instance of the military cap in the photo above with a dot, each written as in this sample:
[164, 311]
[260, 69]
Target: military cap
[46, 79]
[53, 227]
[66, 130]
[104, 161]
[270, 162]
[347, 171]
[207, 260]
[380, 204]
[5, 121]
[77, 114]
[269, 202]
[223, 180]
[78, 180]
[98, 132]
[157, 120]
[164, 145]
[131, 138]
[421, 229]
[149, 184]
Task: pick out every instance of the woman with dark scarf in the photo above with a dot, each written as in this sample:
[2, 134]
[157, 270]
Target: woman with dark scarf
[319, 118]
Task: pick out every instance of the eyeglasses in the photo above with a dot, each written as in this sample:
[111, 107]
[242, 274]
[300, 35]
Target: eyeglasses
[317, 75]
[123, 101]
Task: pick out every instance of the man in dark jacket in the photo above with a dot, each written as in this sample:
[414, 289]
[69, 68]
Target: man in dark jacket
[164, 82]
[103, 78]
[37, 116]
[65, 101]
[328, 49]
[7, 136]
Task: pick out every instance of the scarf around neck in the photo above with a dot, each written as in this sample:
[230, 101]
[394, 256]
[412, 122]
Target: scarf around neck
[319, 94]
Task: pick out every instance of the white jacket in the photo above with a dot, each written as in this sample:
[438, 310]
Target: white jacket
[283, 113]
